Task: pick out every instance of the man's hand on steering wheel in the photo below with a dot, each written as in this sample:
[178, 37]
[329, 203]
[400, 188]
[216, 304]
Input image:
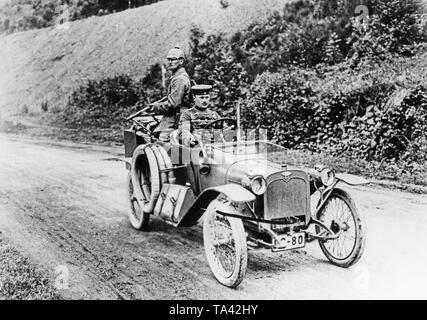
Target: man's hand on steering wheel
[195, 139]
[219, 124]
[216, 123]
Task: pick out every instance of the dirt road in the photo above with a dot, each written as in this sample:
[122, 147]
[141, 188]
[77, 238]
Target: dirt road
[64, 205]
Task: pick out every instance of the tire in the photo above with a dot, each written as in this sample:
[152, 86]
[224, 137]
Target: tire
[163, 177]
[168, 163]
[144, 183]
[146, 177]
[138, 219]
[347, 249]
[228, 274]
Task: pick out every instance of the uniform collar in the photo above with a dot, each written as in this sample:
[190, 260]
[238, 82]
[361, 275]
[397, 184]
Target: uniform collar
[200, 109]
[180, 71]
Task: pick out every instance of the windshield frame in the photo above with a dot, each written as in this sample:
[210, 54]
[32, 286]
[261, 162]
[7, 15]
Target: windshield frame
[232, 147]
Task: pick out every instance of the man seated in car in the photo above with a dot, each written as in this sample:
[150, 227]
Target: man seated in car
[196, 117]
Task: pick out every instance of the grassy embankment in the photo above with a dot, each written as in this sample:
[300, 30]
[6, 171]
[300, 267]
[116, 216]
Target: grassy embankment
[21, 279]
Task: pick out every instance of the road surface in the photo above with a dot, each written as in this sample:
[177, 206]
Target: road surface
[64, 205]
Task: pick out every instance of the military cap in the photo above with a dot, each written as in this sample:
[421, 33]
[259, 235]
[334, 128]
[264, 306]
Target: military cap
[199, 89]
[176, 52]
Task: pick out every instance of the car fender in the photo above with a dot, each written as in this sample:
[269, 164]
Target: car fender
[351, 179]
[234, 192]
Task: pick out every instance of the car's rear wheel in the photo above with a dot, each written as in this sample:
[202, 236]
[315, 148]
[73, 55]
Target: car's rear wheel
[340, 214]
[225, 244]
[138, 219]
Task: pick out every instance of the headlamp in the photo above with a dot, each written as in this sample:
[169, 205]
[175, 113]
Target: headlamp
[327, 176]
[258, 185]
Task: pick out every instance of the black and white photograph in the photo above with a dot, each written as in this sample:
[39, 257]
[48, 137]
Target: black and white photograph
[213, 150]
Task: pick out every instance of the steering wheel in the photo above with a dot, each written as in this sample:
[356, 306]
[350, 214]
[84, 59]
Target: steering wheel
[219, 124]
[215, 123]
[139, 113]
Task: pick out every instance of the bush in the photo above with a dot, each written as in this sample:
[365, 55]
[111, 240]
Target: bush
[371, 115]
[284, 96]
[294, 37]
[213, 62]
[107, 102]
[393, 28]
[403, 131]
[306, 34]
[100, 103]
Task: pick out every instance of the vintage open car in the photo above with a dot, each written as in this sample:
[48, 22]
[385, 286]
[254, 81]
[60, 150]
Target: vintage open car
[245, 194]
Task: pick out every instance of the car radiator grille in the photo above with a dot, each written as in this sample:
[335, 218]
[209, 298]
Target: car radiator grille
[287, 195]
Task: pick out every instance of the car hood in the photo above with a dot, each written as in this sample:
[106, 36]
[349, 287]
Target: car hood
[253, 166]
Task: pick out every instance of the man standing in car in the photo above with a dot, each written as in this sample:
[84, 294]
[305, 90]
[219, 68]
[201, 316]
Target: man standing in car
[177, 98]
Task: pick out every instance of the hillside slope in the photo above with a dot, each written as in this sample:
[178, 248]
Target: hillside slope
[47, 64]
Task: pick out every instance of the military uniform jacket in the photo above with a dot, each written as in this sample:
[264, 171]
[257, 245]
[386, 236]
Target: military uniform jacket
[177, 99]
[193, 119]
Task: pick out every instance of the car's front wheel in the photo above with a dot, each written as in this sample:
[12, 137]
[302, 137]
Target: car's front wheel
[225, 244]
[339, 213]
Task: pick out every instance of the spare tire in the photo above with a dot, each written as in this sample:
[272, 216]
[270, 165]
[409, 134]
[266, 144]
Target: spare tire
[160, 163]
[168, 164]
[147, 177]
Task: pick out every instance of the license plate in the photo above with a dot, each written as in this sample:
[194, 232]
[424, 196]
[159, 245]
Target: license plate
[290, 241]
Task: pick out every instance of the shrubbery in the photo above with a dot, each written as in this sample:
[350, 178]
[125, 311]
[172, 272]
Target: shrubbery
[372, 116]
[393, 29]
[306, 34]
[100, 103]
[332, 82]
[107, 102]
[213, 62]
[286, 96]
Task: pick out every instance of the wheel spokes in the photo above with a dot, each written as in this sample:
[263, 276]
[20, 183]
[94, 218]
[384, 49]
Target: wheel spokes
[223, 248]
[338, 213]
[224, 241]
